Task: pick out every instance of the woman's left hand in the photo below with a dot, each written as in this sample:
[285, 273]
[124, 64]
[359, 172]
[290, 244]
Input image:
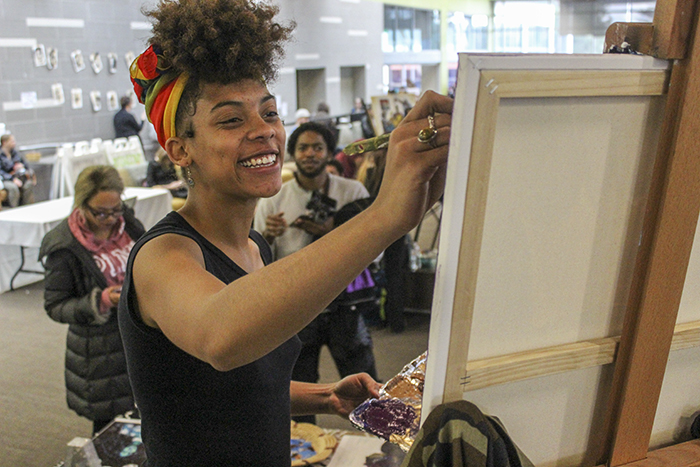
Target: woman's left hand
[114, 292]
[351, 391]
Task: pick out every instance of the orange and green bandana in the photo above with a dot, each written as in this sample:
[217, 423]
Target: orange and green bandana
[158, 89]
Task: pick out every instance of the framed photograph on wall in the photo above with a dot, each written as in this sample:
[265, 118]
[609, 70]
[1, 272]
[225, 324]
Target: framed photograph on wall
[78, 61]
[39, 55]
[96, 62]
[112, 100]
[76, 98]
[112, 62]
[96, 100]
[28, 99]
[51, 58]
[57, 93]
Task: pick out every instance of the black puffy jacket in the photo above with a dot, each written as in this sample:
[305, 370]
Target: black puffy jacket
[97, 383]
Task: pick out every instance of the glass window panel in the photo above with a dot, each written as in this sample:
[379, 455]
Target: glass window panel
[388, 44]
[421, 38]
[478, 38]
[538, 38]
[435, 36]
[404, 29]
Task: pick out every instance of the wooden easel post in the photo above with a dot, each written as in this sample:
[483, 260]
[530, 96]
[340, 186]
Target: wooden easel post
[669, 229]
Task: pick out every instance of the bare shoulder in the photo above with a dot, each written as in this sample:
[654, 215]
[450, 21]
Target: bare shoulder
[162, 268]
[166, 251]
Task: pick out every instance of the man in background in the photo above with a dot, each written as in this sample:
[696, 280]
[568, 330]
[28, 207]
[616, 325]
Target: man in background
[125, 123]
[300, 213]
[17, 178]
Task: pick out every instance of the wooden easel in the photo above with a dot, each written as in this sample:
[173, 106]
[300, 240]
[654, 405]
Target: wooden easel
[669, 229]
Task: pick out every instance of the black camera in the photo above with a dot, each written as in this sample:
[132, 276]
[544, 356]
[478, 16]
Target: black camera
[320, 207]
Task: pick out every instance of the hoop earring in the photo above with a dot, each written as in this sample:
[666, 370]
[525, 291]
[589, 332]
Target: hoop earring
[188, 177]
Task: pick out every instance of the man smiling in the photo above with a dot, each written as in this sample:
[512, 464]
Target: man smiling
[300, 213]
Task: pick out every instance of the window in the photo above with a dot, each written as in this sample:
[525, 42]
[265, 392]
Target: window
[403, 77]
[467, 33]
[410, 29]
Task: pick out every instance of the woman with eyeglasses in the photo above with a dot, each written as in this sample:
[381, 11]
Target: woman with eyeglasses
[85, 259]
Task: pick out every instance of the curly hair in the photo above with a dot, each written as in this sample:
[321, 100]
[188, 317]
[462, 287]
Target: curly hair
[218, 41]
[315, 127]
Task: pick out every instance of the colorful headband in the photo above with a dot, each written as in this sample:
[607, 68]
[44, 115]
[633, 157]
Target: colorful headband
[158, 89]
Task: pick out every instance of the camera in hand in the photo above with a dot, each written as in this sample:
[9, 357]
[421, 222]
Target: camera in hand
[24, 174]
[320, 207]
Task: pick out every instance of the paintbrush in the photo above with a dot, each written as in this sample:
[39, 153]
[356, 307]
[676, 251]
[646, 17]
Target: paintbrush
[367, 145]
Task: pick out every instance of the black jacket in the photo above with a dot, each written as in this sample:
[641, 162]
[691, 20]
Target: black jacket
[97, 384]
[125, 124]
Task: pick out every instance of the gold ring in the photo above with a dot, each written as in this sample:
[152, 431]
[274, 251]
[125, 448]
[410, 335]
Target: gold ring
[426, 135]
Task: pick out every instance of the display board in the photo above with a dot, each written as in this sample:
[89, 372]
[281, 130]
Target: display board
[550, 164]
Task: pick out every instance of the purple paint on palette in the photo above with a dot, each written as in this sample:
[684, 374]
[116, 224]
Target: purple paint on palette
[384, 417]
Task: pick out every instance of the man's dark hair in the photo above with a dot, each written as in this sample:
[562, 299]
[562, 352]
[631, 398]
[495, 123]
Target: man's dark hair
[323, 107]
[124, 101]
[316, 127]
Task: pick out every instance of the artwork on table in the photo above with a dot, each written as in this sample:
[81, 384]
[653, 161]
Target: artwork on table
[112, 100]
[52, 58]
[96, 62]
[39, 55]
[76, 57]
[112, 62]
[76, 98]
[57, 93]
[96, 100]
[129, 57]
[390, 109]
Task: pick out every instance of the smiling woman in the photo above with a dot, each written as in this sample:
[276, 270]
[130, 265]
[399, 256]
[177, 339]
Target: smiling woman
[209, 326]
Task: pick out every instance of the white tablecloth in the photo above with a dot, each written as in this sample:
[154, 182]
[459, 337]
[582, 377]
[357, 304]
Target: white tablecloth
[27, 225]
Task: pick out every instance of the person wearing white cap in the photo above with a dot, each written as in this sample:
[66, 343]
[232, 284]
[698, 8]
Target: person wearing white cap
[302, 115]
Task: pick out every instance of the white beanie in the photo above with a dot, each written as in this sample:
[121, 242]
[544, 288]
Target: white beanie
[302, 113]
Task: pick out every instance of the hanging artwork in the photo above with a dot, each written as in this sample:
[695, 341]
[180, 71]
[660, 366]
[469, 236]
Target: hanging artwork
[96, 100]
[52, 58]
[96, 62]
[28, 99]
[129, 57]
[112, 61]
[76, 98]
[39, 55]
[57, 93]
[76, 57]
[112, 100]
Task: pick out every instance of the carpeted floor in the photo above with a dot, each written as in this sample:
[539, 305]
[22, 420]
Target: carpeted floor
[35, 423]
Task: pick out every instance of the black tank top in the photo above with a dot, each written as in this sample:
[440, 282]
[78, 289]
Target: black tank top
[192, 414]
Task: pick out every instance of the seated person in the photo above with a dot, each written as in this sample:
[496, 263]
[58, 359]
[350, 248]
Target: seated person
[17, 178]
[161, 173]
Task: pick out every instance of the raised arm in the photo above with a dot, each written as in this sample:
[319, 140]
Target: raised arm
[232, 325]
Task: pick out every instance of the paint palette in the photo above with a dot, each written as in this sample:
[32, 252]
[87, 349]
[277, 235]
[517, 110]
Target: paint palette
[395, 415]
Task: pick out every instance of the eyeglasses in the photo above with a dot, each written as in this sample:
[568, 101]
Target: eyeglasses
[102, 215]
